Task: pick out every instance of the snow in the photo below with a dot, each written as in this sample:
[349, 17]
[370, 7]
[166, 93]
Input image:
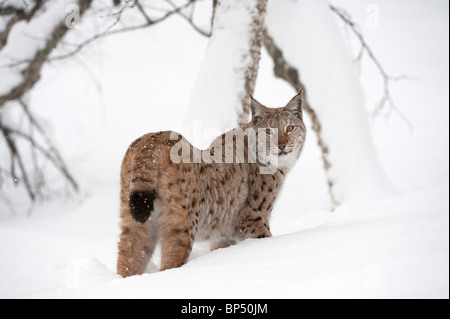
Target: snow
[325, 259]
[392, 248]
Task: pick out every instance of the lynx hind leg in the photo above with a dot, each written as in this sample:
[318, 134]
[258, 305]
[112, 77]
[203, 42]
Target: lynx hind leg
[179, 220]
[177, 237]
[137, 243]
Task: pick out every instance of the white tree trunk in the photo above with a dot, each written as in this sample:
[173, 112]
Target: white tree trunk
[228, 73]
[311, 41]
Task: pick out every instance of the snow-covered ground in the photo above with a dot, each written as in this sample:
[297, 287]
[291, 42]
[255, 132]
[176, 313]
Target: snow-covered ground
[131, 84]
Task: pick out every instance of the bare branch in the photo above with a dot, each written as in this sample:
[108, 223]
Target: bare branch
[110, 32]
[16, 157]
[284, 70]
[50, 152]
[189, 19]
[7, 201]
[386, 99]
[215, 3]
[144, 14]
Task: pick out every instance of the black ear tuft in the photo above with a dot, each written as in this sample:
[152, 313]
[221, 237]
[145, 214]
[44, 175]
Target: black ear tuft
[141, 205]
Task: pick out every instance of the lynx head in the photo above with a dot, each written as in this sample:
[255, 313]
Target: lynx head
[282, 131]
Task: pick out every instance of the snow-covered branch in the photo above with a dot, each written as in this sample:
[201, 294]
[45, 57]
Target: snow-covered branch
[28, 73]
[15, 13]
[111, 29]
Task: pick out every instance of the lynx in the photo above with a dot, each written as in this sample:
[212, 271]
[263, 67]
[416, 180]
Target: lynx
[219, 196]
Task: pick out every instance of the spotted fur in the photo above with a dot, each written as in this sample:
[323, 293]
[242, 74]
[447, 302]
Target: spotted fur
[224, 203]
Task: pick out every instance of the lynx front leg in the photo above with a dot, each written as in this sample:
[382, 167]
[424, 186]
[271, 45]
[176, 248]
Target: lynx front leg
[222, 243]
[252, 225]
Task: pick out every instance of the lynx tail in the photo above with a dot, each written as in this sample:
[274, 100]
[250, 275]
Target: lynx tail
[141, 205]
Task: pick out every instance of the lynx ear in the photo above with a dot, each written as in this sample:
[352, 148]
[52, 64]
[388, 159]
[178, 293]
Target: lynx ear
[258, 110]
[295, 105]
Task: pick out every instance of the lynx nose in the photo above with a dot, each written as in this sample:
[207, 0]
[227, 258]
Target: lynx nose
[281, 145]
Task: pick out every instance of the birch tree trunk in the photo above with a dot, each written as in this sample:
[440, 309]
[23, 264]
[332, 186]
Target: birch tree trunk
[228, 73]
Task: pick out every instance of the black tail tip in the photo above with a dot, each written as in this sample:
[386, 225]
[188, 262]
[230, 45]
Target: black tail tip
[141, 205]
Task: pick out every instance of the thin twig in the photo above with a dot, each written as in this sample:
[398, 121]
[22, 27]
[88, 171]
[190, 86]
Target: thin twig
[57, 159]
[109, 32]
[286, 71]
[387, 78]
[142, 10]
[8, 202]
[190, 20]
[16, 157]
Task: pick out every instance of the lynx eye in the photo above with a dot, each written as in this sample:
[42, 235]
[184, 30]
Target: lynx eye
[290, 128]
